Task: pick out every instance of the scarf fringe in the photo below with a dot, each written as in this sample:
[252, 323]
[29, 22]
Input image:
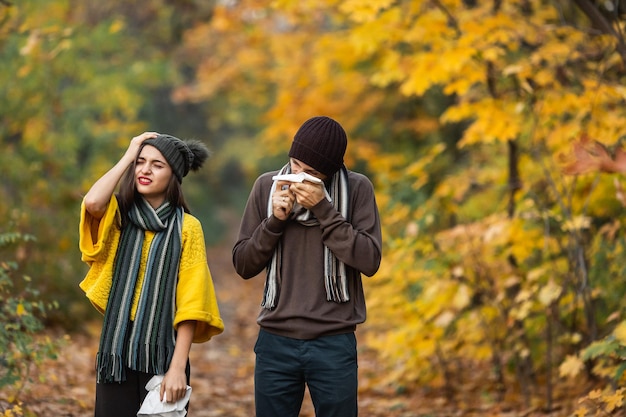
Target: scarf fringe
[110, 368]
[152, 359]
[270, 294]
[336, 289]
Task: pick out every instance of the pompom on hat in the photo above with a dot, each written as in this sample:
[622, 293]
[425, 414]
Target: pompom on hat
[320, 143]
[182, 156]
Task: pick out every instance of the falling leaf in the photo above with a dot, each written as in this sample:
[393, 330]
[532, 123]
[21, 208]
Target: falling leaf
[549, 293]
[571, 366]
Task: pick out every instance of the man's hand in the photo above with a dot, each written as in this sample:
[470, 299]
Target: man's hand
[282, 200]
[307, 194]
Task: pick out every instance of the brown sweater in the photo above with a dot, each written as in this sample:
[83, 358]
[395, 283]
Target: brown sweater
[302, 311]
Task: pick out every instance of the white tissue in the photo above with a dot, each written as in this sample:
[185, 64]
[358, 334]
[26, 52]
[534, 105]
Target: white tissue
[299, 177]
[153, 406]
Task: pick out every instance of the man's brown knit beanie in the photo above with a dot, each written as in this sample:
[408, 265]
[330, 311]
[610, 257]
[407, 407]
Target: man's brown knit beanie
[320, 143]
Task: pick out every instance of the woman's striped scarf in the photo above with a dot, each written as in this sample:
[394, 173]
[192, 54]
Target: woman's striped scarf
[335, 279]
[145, 344]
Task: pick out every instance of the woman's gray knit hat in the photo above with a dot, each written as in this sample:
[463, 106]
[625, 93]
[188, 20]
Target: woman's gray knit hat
[320, 143]
[182, 156]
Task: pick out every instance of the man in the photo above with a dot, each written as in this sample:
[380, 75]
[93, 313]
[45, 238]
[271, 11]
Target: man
[314, 239]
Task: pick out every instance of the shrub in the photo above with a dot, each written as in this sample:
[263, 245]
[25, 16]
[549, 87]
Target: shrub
[22, 346]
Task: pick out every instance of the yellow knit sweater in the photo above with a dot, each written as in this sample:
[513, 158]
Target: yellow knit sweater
[195, 293]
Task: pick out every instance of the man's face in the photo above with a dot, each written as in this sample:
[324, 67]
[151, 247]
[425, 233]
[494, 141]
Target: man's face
[298, 166]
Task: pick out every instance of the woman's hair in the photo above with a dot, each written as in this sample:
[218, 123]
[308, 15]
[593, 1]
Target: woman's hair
[128, 193]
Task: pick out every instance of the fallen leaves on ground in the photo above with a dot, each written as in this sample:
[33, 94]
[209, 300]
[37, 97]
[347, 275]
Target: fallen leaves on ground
[223, 369]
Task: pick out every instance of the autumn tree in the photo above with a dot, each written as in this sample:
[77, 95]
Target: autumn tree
[464, 113]
[77, 81]
[502, 263]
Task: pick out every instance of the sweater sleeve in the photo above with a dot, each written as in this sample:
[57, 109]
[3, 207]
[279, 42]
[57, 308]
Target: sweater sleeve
[258, 234]
[98, 239]
[357, 242]
[195, 293]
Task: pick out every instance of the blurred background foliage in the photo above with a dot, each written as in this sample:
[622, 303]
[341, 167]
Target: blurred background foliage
[503, 246]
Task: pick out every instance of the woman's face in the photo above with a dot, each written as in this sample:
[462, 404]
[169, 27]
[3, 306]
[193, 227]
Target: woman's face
[152, 175]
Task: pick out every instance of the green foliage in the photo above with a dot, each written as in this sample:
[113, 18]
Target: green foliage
[608, 359]
[606, 347]
[22, 347]
[78, 81]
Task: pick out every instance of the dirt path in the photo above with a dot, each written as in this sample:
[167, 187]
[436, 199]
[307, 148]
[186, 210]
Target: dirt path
[222, 369]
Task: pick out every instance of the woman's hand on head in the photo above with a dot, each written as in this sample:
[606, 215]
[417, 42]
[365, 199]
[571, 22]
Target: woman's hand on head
[97, 198]
[137, 141]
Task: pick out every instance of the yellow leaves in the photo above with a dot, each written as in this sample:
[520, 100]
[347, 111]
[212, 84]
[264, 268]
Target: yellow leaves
[390, 69]
[31, 42]
[470, 75]
[603, 402]
[604, 368]
[566, 114]
[620, 333]
[576, 223]
[490, 29]
[557, 52]
[444, 319]
[571, 366]
[549, 293]
[462, 297]
[423, 74]
[440, 67]
[15, 410]
[428, 32]
[221, 21]
[595, 394]
[116, 26]
[20, 310]
[374, 37]
[35, 130]
[512, 77]
[525, 241]
[561, 136]
[523, 306]
[364, 11]
[418, 170]
[494, 120]
[614, 401]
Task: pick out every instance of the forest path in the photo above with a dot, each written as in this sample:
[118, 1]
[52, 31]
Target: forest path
[222, 370]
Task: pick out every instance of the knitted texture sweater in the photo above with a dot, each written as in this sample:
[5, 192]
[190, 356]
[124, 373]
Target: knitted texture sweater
[195, 293]
[302, 311]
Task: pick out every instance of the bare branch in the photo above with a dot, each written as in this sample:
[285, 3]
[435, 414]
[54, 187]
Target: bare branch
[600, 22]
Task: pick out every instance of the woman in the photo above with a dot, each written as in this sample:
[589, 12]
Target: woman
[148, 273]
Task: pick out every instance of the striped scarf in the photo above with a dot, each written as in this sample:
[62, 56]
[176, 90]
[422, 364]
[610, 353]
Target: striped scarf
[145, 344]
[335, 279]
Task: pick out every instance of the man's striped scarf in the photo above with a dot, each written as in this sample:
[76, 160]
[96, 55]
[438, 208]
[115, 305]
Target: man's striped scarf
[145, 344]
[335, 279]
